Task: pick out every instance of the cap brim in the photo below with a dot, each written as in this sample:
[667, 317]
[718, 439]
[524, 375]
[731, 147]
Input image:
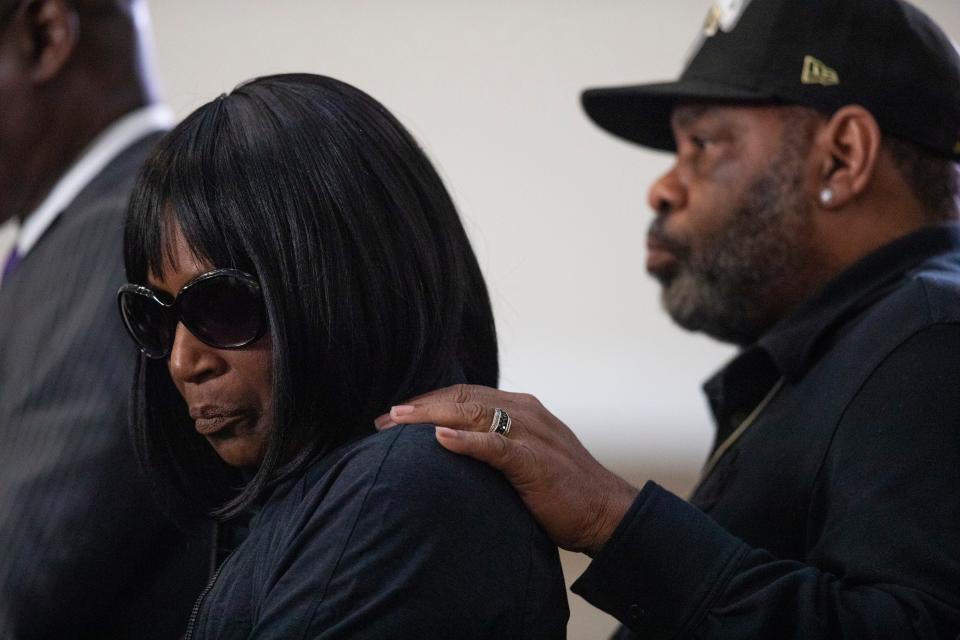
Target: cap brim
[641, 113]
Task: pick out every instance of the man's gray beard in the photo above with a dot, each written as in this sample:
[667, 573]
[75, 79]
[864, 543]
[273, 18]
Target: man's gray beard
[727, 289]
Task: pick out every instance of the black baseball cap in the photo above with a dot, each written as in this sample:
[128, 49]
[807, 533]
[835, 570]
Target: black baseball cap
[885, 55]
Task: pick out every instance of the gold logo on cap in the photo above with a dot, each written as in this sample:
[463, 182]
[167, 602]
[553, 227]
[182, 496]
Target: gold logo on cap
[816, 72]
[956, 147]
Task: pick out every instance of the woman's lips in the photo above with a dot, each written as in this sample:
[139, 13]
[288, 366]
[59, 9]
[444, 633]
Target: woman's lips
[210, 420]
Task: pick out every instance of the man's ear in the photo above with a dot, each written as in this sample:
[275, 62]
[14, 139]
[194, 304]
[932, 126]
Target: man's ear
[46, 32]
[849, 145]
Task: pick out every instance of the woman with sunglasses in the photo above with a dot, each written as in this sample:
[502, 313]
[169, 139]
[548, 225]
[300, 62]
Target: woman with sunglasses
[296, 267]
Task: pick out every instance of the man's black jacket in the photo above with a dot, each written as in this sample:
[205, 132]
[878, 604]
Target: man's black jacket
[836, 512]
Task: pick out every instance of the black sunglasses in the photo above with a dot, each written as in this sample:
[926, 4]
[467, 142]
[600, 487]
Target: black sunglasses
[222, 308]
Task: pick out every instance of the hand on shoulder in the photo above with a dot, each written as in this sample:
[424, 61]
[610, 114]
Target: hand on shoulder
[575, 499]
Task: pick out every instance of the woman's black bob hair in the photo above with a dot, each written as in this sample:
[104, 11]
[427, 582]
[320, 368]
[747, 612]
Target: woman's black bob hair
[372, 291]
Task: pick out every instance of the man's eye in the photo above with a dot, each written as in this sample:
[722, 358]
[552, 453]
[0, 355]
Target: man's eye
[699, 142]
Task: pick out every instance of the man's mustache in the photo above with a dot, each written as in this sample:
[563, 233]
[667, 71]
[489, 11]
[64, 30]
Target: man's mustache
[657, 235]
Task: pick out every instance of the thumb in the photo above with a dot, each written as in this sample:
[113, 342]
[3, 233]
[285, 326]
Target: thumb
[490, 448]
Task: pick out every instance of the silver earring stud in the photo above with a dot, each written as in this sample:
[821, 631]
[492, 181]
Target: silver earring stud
[826, 196]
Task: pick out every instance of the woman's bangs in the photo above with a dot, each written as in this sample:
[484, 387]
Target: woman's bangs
[182, 187]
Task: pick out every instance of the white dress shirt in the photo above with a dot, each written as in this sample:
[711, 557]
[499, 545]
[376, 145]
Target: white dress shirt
[98, 154]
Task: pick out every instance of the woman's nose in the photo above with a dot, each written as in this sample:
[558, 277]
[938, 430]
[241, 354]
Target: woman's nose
[191, 360]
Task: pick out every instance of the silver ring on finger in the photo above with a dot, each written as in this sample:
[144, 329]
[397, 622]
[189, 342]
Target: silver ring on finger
[501, 422]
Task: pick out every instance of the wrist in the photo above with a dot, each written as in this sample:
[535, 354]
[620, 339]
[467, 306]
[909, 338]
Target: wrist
[610, 511]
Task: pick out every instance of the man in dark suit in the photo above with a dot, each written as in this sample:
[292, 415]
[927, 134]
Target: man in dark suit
[84, 552]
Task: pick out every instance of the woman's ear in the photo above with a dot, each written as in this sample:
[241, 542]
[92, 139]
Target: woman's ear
[849, 145]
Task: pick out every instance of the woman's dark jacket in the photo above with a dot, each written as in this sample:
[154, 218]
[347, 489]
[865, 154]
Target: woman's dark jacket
[390, 536]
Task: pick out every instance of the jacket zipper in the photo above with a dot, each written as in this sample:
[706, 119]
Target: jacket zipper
[733, 437]
[217, 568]
[203, 594]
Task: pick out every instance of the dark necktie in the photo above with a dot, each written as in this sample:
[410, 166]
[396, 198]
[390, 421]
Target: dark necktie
[12, 261]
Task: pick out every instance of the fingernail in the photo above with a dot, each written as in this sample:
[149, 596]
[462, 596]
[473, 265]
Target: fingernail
[443, 432]
[401, 410]
[384, 422]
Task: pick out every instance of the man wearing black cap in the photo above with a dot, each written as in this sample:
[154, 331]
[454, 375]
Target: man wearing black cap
[810, 218]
